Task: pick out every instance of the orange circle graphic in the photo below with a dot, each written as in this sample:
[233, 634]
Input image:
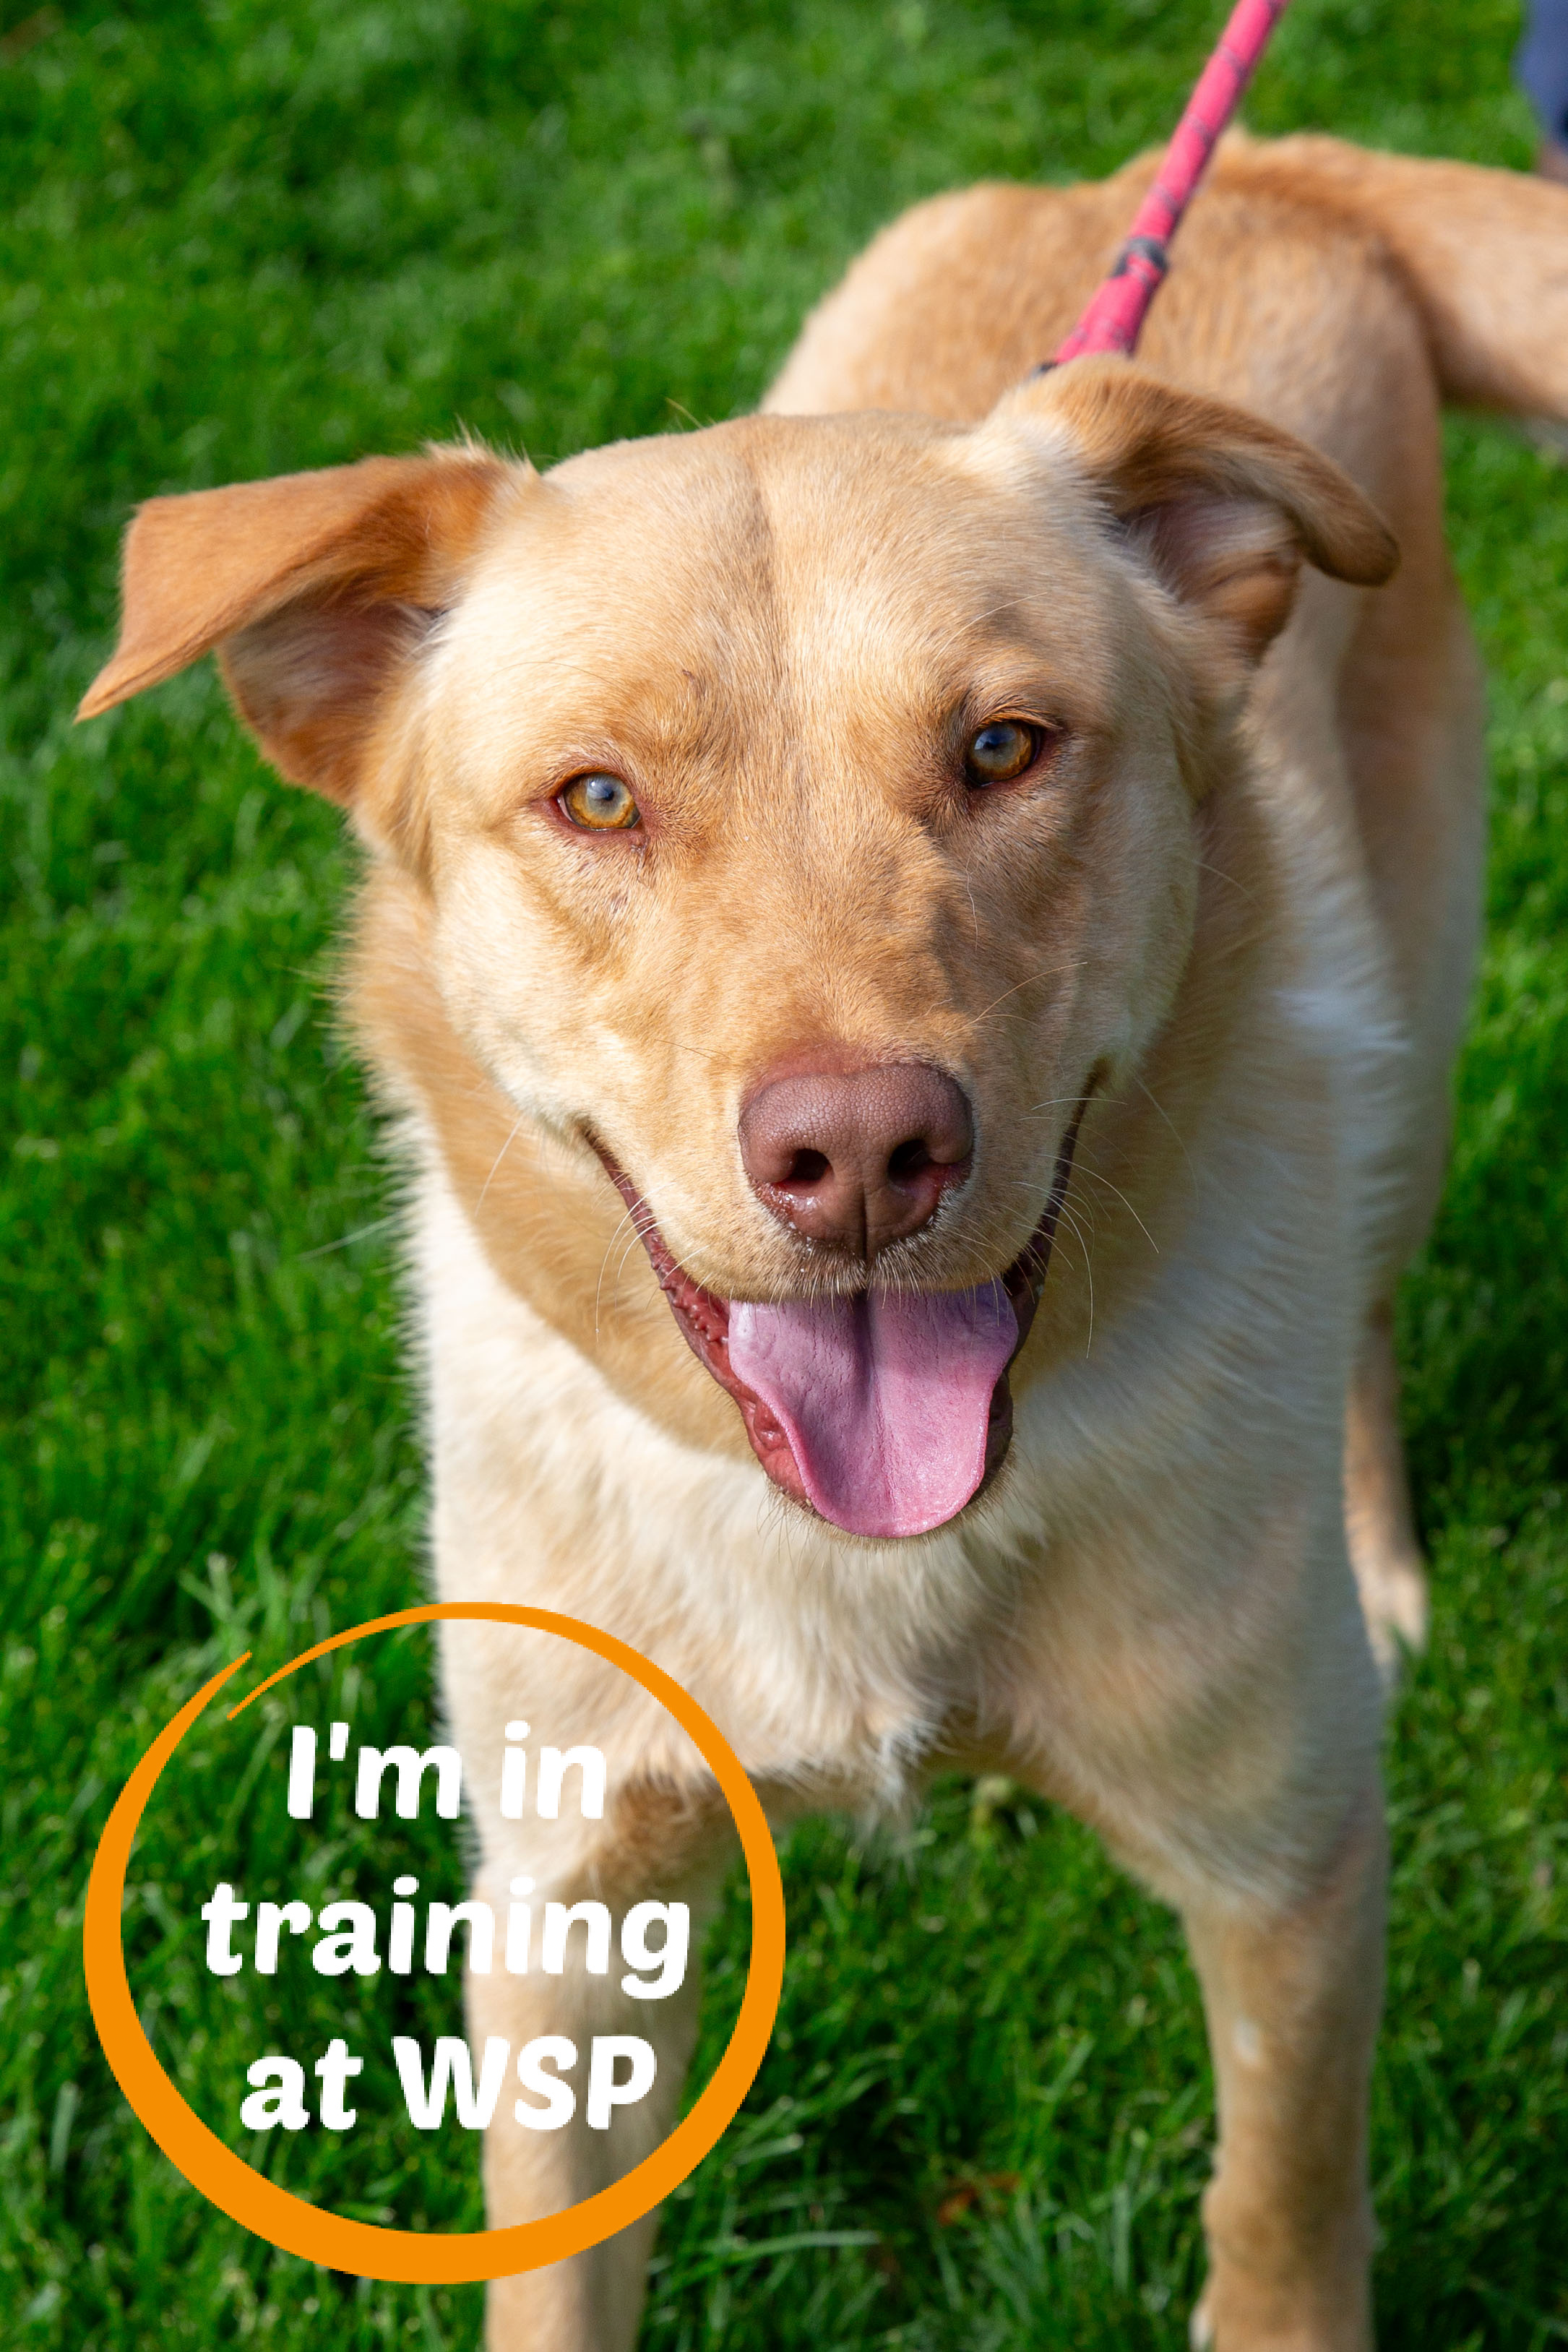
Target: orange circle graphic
[430, 2258]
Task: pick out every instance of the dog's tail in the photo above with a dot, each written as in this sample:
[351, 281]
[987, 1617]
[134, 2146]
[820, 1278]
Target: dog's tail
[1484, 253]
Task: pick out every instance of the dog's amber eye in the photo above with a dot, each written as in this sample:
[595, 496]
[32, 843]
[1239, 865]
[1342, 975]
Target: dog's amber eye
[598, 804]
[1000, 752]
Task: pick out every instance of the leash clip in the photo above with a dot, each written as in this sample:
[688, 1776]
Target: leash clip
[1153, 251]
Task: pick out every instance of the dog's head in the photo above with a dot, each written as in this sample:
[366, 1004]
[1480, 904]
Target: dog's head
[806, 810]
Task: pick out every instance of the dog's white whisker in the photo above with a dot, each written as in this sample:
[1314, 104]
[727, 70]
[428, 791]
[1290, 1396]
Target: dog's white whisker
[1159, 1107]
[1095, 1177]
[1046, 972]
[621, 1224]
[1220, 877]
[1066, 1216]
[496, 1162]
[346, 1240]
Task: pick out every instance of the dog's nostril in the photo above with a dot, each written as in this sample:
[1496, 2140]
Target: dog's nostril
[907, 1159]
[808, 1168]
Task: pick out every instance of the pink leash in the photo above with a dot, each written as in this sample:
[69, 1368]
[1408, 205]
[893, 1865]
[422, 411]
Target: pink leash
[1116, 312]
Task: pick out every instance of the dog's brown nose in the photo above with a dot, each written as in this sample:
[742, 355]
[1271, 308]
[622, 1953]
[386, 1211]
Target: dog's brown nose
[858, 1159]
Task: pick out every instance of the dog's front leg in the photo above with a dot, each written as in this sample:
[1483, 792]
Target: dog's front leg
[1218, 1718]
[1292, 1998]
[593, 2302]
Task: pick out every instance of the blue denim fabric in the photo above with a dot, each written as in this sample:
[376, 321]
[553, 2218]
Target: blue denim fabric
[1542, 65]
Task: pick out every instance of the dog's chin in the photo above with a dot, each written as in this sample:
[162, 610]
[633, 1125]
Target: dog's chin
[884, 1413]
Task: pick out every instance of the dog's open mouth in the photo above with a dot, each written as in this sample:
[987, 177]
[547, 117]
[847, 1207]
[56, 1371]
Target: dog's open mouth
[885, 1412]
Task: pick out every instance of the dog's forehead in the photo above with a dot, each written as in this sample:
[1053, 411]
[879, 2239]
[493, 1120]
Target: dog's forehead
[831, 540]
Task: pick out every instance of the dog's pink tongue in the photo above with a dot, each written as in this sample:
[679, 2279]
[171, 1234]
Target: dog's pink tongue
[885, 1399]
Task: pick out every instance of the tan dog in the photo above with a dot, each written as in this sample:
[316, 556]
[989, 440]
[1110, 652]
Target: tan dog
[870, 835]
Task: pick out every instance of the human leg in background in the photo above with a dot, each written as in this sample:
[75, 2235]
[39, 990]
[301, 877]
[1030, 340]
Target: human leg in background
[1541, 66]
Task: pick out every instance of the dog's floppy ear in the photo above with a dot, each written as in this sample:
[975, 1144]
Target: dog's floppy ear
[1223, 506]
[312, 586]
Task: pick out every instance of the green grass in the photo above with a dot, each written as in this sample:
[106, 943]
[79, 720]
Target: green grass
[240, 238]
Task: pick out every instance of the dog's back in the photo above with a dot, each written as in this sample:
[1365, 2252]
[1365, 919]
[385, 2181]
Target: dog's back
[964, 294]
